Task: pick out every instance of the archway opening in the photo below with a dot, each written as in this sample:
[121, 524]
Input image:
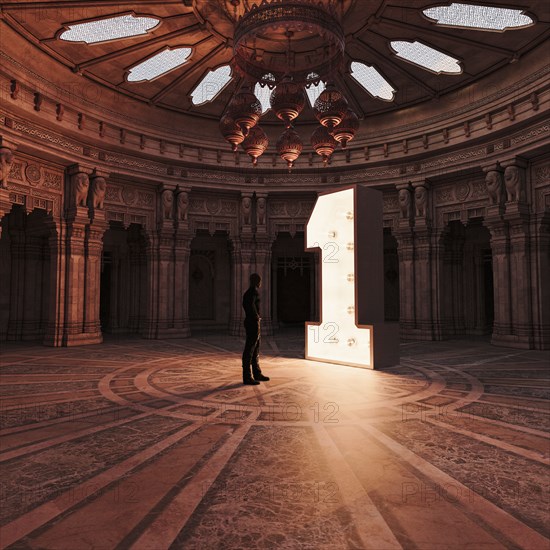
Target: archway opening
[294, 281]
[209, 281]
[468, 305]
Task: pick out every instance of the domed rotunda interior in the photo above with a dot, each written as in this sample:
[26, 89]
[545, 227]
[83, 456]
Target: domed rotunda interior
[356, 193]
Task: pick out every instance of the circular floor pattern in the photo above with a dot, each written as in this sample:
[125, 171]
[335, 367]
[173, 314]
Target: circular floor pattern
[139, 444]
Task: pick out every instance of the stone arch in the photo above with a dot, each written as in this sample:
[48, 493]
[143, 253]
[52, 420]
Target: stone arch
[467, 280]
[209, 281]
[24, 274]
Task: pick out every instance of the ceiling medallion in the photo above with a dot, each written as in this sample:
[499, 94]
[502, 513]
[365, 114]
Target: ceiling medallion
[287, 47]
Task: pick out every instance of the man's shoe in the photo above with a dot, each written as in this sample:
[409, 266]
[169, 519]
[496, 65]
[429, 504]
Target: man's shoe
[250, 382]
[261, 378]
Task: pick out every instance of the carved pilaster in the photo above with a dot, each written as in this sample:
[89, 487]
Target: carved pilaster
[263, 268]
[241, 256]
[500, 249]
[149, 288]
[426, 259]
[521, 290]
[405, 254]
[7, 149]
[182, 252]
[58, 272]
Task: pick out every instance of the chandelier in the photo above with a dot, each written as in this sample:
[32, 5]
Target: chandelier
[263, 53]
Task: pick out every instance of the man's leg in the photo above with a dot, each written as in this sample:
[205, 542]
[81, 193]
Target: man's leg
[256, 371]
[249, 350]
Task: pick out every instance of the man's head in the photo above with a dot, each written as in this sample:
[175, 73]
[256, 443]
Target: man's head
[255, 280]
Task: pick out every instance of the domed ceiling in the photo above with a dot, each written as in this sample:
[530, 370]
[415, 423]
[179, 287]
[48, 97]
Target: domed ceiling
[177, 54]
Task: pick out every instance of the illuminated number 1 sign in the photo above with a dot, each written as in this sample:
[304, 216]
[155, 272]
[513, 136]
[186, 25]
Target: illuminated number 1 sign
[347, 226]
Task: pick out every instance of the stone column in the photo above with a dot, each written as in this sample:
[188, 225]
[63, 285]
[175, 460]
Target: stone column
[135, 271]
[263, 257]
[263, 268]
[235, 314]
[241, 256]
[95, 232]
[116, 298]
[182, 252]
[57, 244]
[405, 253]
[76, 215]
[33, 285]
[456, 261]
[165, 265]
[427, 267]
[17, 287]
[500, 249]
[518, 218]
[149, 285]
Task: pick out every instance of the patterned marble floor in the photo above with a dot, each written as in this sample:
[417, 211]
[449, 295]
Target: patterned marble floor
[156, 444]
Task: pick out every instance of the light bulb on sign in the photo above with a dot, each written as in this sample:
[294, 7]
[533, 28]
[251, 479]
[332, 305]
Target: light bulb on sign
[349, 216]
[332, 234]
[350, 246]
[351, 277]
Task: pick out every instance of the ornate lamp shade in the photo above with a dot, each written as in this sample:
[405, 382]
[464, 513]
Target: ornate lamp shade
[289, 146]
[287, 100]
[346, 130]
[330, 107]
[245, 109]
[231, 131]
[255, 143]
[323, 143]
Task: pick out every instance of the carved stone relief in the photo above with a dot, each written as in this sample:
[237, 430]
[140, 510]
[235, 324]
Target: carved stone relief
[113, 194]
[98, 186]
[129, 195]
[182, 206]
[197, 205]
[494, 181]
[444, 194]
[261, 208]
[79, 186]
[292, 208]
[542, 175]
[246, 209]
[390, 202]
[145, 199]
[213, 205]
[167, 204]
[6, 162]
[462, 190]
[52, 180]
[514, 182]
[405, 200]
[33, 175]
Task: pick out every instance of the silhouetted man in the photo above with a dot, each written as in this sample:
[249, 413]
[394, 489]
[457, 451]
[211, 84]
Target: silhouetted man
[251, 305]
